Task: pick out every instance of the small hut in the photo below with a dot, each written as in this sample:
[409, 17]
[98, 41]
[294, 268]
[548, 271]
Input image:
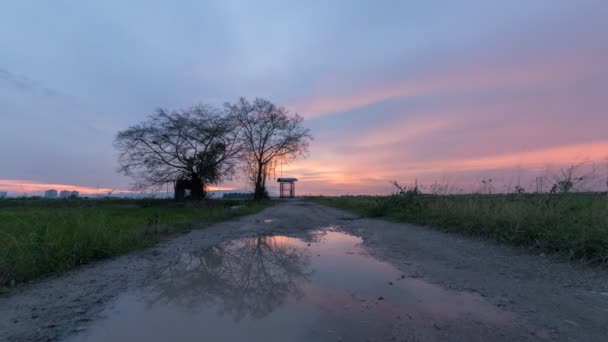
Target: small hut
[287, 187]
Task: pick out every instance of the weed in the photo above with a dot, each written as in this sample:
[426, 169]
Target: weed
[572, 224]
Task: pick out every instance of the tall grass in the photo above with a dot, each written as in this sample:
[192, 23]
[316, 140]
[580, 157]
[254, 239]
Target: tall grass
[39, 237]
[574, 225]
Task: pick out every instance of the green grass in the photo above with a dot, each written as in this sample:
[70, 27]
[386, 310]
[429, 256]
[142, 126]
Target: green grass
[40, 237]
[573, 225]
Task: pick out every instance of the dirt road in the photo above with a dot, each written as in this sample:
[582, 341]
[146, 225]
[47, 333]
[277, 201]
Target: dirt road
[300, 271]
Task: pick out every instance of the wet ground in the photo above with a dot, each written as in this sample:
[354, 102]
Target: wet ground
[269, 287]
[304, 272]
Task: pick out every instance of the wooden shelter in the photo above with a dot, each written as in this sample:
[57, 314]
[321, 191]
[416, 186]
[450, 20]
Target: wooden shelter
[287, 187]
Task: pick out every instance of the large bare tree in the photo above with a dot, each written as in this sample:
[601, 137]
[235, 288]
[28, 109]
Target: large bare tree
[268, 133]
[190, 149]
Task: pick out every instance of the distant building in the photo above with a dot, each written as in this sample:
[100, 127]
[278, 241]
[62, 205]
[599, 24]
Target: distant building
[3, 194]
[50, 193]
[68, 194]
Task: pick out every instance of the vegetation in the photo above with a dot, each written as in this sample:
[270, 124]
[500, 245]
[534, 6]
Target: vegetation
[268, 134]
[572, 224]
[39, 237]
[190, 149]
[200, 146]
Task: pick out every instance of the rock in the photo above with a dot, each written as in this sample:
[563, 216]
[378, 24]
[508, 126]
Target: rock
[439, 326]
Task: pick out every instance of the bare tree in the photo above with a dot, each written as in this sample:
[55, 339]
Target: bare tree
[268, 133]
[568, 181]
[247, 279]
[192, 149]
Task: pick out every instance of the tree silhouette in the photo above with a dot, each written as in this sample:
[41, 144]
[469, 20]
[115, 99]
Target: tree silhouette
[268, 133]
[191, 148]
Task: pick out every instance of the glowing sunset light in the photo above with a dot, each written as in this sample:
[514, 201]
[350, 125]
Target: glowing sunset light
[560, 156]
[220, 188]
[375, 178]
[25, 186]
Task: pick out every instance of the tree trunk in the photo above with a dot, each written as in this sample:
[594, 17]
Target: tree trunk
[180, 191]
[260, 189]
[197, 191]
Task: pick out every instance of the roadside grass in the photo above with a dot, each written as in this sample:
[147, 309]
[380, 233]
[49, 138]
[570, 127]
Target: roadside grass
[40, 237]
[573, 225]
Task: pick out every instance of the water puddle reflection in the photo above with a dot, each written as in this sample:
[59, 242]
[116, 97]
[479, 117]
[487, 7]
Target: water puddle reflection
[277, 288]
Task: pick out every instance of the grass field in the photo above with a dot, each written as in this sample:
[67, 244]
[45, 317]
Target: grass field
[39, 237]
[573, 225]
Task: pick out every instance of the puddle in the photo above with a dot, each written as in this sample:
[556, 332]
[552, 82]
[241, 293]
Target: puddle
[284, 289]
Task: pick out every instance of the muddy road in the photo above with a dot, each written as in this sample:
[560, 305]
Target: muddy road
[300, 271]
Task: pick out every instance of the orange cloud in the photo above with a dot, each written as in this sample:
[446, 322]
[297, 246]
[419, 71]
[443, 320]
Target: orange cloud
[25, 186]
[562, 155]
[361, 174]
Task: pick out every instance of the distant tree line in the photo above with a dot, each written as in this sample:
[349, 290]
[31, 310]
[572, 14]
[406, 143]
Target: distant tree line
[201, 146]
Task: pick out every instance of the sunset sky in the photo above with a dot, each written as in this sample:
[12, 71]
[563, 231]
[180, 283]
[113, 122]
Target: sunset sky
[446, 91]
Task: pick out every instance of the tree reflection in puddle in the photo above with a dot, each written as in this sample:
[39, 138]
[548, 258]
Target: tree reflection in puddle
[277, 288]
[247, 278]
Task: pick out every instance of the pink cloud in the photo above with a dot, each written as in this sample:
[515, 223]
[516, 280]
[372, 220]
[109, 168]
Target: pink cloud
[562, 155]
[533, 74]
[404, 130]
